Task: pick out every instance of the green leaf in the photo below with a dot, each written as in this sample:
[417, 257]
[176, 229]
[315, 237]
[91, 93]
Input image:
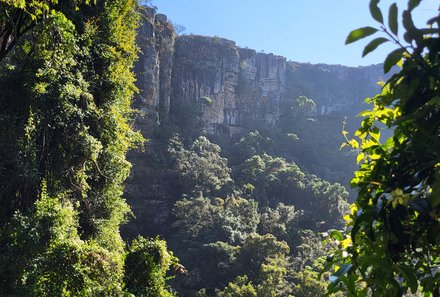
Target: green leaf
[341, 271]
[413, 4]
[392, 59]
[375, 134]
[410, 277]
[375, 11]
[407, 20]
[435, 195]
[360, 33]
[373, 45]
[434, 101]
[353, 143]
[360, 157]
[335, 234]
[392, 18]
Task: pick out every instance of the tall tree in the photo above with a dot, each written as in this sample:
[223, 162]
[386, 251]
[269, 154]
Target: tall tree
[66, 88]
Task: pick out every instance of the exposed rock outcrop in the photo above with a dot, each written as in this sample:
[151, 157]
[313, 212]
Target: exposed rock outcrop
[241, 85]
[156, 38]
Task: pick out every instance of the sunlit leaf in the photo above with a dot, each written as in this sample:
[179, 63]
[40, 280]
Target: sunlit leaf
[346, 242]
[354, 144]
[335, 234]
[359, 158]
[375, 134]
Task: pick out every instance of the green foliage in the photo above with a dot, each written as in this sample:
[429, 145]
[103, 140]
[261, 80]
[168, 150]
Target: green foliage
[200, 167]
[48, 256]
[308, 284]
[295, 112]
[392, 244]
[18, 17]
[216, 240]
[262, 259]
[260, 249]
[204, 220]
[281, 221]
[276, 180]
[307, 263]
[186, 118]
[241, 287]
[65, 129]
[146, 265]
[250, 145]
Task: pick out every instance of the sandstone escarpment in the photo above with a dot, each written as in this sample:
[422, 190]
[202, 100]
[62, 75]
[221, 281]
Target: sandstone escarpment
[239, 86]
[207, 67]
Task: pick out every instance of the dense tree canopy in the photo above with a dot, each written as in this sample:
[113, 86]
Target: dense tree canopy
[200, 167]
[270, 180]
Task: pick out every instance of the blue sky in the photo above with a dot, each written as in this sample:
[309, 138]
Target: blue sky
[302, 30]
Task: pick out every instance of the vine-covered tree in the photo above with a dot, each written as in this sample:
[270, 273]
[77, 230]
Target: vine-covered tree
[66, 86]
[392, 246]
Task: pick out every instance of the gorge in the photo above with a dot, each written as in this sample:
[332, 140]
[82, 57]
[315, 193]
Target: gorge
[234, 91]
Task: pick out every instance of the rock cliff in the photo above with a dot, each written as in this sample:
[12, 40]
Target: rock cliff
[236, 89]
[239, 85]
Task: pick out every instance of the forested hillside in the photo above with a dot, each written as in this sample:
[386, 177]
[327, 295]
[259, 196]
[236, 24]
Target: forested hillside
[135, 161]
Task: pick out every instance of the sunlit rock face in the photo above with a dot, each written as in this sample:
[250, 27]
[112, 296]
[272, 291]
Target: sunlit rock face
[207, 67]
[234, 87]
[336, 89]
[262, 86]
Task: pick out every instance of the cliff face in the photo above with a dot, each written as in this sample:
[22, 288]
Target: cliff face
[156, 39]
[207, 67]
[240, 85]
[236, 90]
